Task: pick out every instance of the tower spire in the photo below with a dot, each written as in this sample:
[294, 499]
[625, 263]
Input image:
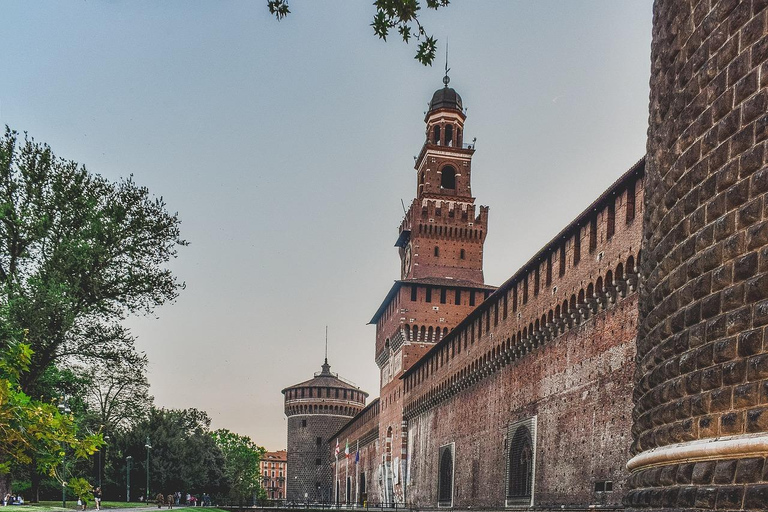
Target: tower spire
[446, 78]
[326, 367]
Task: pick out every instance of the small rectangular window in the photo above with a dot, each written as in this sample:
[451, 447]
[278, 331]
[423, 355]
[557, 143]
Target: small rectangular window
[429, 294]
[514, 299]
[303, 423]
[319, 441]
[443, 293]
[536, 281]
[593, 234]
[487, 320]
[471, 298]
[562, 261]
[610, 228]
[631, 202]
[549, 269]
[506, 297]
[525, 289]
[317, 461]
[413, 293]
[577, 246]
[457, 299]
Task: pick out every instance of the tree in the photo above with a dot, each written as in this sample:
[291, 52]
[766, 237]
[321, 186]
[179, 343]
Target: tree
[184, 457]
[78, 253]
[31, 429]
[400, 15]
[241, 464]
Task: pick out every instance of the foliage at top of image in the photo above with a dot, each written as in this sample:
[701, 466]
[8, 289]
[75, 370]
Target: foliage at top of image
[399, 15]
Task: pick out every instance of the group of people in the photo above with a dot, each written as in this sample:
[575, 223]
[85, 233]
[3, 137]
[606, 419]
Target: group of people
[82, 501]
[176, 499]
[13, 499]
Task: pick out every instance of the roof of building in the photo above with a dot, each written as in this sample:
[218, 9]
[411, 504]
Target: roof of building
[326, 379]
[280, 456]
[446, 97]
[426, 281]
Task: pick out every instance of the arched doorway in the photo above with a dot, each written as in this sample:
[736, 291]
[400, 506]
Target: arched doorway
[363, 490]
[445, 477]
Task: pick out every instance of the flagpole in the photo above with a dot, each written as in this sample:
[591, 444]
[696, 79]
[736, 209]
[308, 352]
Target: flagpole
[336, 483]
[357, 473]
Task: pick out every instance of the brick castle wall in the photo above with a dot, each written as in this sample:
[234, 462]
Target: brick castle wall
[701, 395]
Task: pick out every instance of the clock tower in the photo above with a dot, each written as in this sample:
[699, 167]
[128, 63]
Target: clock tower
[441, 275]
[442, 235]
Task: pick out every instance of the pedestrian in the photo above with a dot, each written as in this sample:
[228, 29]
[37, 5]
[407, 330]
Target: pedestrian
[160, 498]
[97, 497]
[170, 501]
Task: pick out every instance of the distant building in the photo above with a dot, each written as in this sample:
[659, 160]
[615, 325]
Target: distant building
[273, 468]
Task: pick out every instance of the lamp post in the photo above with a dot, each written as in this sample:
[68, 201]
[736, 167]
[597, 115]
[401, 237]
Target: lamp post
[128, 462]
[106, 438]
[148, 446]
[63, 409]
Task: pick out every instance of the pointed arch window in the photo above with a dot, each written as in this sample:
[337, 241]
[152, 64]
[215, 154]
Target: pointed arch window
[521, 463]
[436, 135]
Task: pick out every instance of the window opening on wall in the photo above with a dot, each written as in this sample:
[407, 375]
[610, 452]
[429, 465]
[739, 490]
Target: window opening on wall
[471, 298]
[448, 178]
[514, 298]
[413, 293]
[604, 486]
[457, 299]
[593, 234]
[504, 315]
[443, 293]
[549, 269]
[437, 251]
[561, 271]
[536, 281]
[429, 294]
[577, 247]
[319, 441]
[610, 228]
[449, 135]
[303, 423]
[445, 477]
[525, 289]
[462, 254]
[631, 202]
[317, 461]
[436, 135]
[520, 474]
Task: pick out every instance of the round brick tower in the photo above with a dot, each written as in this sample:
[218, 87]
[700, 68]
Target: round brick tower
[701, 389]
[316, 409]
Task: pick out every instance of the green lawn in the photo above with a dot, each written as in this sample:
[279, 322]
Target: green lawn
[55, 506]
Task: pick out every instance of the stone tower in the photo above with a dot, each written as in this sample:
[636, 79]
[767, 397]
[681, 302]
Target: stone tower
[316, 409]
[701, 387]
[441, 250]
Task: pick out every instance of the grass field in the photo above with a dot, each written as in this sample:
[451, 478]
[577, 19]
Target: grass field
[55, 506]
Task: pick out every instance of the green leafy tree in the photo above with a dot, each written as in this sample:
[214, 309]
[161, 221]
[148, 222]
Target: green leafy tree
[241, 464]
[184, 457]
[33, 430]
[78, 253]
[401, 16]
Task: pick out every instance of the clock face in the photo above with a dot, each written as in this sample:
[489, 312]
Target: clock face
[407, 261]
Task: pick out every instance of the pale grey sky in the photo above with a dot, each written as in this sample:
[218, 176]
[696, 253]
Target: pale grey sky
[287, 147]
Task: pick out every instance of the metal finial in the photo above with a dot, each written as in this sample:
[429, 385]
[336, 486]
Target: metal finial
[446, 78]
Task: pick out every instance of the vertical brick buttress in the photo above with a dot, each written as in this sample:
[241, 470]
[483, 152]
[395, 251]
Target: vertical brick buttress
[702, 345]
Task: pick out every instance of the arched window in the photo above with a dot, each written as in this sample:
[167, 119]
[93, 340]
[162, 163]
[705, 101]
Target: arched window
[520, 476]
[448, 179]
[462, 254]
[449, 135]
[363, 489]
[445, 480]
[436, 135]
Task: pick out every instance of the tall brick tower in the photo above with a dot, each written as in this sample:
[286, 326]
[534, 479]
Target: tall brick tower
[316, 409]
[441, 281]
[701, 389]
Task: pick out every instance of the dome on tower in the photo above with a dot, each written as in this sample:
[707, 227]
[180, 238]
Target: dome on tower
[445, 98]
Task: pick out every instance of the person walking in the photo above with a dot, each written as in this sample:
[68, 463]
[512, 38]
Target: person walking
[97, 497]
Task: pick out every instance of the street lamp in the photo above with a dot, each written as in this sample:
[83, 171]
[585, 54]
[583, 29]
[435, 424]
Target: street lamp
[148, 446]
[128, 463]
[63, 409]
[106, 438]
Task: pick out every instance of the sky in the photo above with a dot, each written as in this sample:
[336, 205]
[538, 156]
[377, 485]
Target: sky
[287, 147]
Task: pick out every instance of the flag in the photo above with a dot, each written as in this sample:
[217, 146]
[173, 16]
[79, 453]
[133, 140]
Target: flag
[346, 450]
[357, 456]
[336, 453]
